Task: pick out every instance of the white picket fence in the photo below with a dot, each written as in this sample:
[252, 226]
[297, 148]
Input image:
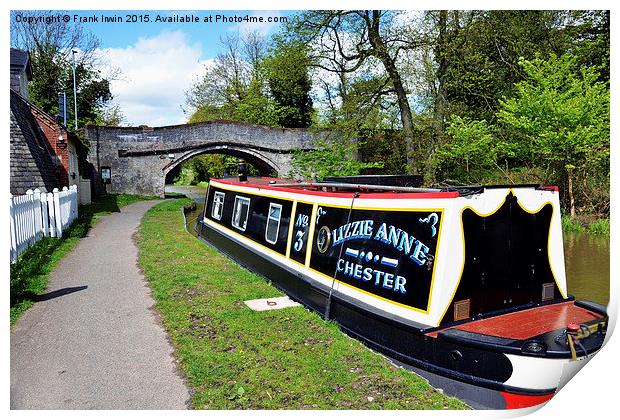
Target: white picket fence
[37, 214]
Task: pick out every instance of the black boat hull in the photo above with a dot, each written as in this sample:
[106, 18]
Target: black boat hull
[486, 368]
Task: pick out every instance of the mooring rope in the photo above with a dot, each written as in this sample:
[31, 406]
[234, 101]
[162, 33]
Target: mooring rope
[331, 289]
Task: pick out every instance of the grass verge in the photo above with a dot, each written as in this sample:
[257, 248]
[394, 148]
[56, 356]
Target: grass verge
[595, 227]
[599, 227]
[571, 224]
[236, 358]
[30, 273]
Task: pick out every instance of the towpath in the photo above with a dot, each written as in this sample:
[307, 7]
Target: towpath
[94, 341]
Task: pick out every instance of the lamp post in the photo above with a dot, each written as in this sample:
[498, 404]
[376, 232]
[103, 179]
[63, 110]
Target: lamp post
[74, 90]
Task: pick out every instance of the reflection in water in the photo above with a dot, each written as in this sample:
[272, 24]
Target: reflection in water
[587, 256]
[197, 194]
[194, 192]
[587, 266]
[191, 218]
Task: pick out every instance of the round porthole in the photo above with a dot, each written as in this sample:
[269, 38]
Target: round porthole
[323, 239]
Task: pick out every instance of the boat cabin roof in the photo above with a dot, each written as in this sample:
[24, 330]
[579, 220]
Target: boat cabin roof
[334, 188]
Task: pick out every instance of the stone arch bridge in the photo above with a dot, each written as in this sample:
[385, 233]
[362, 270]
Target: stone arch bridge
[140, 157]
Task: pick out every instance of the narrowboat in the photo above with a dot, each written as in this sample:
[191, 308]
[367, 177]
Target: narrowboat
[467, 283]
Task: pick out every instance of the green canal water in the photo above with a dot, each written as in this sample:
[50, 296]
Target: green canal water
[586, 256]
[587, 266]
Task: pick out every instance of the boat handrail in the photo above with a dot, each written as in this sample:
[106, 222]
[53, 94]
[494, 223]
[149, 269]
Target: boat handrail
[357, 186]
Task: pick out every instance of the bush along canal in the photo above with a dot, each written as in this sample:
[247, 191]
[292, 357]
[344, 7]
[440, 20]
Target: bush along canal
[234, 357]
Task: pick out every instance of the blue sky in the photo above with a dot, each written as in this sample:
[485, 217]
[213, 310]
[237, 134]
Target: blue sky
[117, 35]
[158, 62]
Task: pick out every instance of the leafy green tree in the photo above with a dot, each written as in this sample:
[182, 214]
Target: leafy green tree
[93, 94]
[256, 107]
[286, 70]
[385, 146]
[562, 111]
[204, 167]
[111, 115]
[345, 41]
[477, 55]
[50, 45]
[472, 153]
[587, 38]
[208, 112]
[212, 166]
[245, 84]
[368, 121]
[328, 158]
[234, 87]
[225, 81]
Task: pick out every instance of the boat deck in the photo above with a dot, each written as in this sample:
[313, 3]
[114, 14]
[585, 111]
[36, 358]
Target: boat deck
[529, 323]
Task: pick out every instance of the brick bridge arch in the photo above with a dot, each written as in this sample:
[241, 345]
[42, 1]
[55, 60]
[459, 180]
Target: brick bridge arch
[141, 157]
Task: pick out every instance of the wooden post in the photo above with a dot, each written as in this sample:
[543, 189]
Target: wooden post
[65, 207]
[38, 217]
[12, 228]
[57, 213]
[32, 231]
[76, 200]
[44, 214]
[51, 213]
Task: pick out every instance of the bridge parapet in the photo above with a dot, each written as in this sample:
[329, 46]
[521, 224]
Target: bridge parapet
[140, 157]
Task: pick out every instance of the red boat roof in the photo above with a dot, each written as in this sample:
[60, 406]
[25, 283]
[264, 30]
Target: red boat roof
[268, 183]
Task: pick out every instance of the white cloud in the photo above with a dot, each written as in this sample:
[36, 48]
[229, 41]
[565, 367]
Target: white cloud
[262, 28]
[155, 73]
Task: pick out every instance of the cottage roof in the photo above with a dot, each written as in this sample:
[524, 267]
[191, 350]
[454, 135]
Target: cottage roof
[20, 60]
[31, 161]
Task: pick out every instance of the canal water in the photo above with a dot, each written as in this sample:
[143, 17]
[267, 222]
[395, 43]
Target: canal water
[586, 256]
[587, 266]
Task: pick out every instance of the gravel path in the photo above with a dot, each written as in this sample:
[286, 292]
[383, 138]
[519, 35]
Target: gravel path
[95, 342]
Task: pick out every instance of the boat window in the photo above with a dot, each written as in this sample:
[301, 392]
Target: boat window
[218, 205]
[273, 223]
[240, 212]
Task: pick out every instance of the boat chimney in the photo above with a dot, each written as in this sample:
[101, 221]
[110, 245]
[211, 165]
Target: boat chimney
[243, 171]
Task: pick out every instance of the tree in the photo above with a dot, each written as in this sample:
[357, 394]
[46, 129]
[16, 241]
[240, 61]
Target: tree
[93, 93]
[562, 111]
[345, 41]
[474, 62]
[210, 166]
[111, 115]
[257, 108]
[473, 151]
[328, 158]
[208, 112]
[286, 70]
[245, 84]
[225, 81]
[587, 38]
[50, 43]
[204, 167]
[477, 55]
[234, 87]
